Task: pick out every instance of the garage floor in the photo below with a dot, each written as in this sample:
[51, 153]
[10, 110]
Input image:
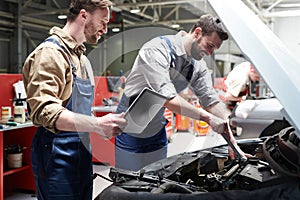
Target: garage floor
[180, 142]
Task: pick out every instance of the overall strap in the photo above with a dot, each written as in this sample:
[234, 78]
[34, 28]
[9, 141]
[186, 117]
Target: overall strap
[191, 66]
[171, 50]
[53, 40]
[191, 70]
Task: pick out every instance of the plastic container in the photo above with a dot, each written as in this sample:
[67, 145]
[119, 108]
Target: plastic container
[182, 123]
[5, 113]
[201, 127]
[14, 155]
[14, 160]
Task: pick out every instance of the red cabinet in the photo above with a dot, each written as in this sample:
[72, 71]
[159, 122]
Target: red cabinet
[103, 150]
[17, 178]
[22, 178]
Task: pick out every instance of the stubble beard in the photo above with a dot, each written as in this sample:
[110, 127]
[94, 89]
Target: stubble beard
[92, 39]
[89, 36]
[197, 53]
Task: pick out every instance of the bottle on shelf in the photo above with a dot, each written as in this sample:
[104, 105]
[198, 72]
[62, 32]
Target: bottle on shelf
[19, 110]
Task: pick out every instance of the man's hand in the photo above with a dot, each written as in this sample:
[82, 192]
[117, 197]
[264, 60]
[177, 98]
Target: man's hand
[221, 126]
[232, 154]
[217, 124]
[111, 125]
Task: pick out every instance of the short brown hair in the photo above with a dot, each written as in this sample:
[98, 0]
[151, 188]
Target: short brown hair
[89, 5]
[210, 24]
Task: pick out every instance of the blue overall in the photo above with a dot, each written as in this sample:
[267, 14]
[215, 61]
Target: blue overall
[133, 153]
[62, 163]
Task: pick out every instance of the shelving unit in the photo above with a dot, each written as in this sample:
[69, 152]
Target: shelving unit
[18, 178]
[22, 178]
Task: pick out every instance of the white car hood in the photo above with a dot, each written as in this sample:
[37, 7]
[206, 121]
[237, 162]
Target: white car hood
[278, 68]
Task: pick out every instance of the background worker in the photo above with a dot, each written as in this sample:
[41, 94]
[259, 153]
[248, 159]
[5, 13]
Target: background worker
[239, 83]
[169, 64]
[59, 86]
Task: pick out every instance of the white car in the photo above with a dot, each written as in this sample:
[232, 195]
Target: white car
[258, 118]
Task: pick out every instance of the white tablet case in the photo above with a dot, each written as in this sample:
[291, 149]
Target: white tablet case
[143, 110]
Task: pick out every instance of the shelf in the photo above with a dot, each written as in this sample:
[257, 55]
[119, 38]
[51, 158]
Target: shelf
[19, 126]
[16, 170]
[22, 134]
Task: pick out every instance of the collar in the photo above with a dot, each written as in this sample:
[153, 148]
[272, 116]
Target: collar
[68, 40]
[179, 45]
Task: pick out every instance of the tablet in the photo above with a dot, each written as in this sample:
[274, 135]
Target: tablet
[143, 110]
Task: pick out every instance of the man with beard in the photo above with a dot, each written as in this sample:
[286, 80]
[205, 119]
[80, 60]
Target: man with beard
[60, 88]
[168, 64]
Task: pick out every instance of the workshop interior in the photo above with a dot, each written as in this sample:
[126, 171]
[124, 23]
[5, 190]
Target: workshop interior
[266, 124]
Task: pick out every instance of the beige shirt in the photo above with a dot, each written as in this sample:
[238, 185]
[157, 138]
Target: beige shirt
[47, 76]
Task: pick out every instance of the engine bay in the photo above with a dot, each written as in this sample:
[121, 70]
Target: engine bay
[211, 171]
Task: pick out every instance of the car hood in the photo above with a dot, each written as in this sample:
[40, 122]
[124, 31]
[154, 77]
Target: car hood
[273, 61]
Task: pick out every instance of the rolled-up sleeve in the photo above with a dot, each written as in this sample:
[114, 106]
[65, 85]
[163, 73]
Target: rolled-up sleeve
[48, 83]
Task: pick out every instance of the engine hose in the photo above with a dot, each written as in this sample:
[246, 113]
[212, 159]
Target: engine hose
[171, 187]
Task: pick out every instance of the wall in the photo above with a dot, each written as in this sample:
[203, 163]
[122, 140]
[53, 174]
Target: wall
[133, 40]
[4, 58]
[288, 30]
[124, 64]
[8, 50]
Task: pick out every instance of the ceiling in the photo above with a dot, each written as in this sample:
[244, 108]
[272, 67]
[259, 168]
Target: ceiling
[35, 17]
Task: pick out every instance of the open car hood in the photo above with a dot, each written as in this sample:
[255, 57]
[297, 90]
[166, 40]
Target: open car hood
[267, 53]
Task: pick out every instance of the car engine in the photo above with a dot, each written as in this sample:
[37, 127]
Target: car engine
[210, 173]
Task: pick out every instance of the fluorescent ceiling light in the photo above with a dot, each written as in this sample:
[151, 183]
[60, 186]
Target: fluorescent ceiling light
[136, 10]
[175, 26]
[288, 5]
[286, 13]
[62, 16]
[115, 30]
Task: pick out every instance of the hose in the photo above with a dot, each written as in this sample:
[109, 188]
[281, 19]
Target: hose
[171, 187]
